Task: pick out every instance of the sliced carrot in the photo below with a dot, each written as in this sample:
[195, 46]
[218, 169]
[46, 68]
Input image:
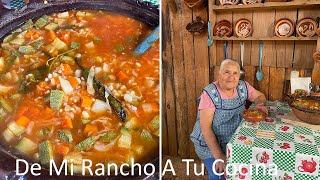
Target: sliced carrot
[155, 107]
[48, 113]
[121, 76]
[23, 121]
[73, 81]
[21, 111]
[86, 101]
[36, 36]
[32, 112]
[65, 36]
[61, 149]
[68, 123]
[67, 71]
[29, 34]
[52, 35]
[84, 92]
[56, 80]
[90, 128]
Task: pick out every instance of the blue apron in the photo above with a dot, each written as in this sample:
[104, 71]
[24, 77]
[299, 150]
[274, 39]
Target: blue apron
[227, 117]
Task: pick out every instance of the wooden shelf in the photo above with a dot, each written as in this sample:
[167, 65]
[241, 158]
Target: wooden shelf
[269, 5]
[265, 38]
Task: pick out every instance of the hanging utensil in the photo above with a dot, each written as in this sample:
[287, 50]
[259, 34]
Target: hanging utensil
[209, 34]
[147, 42]
[225, 49]
[242, 70]
[259, 74]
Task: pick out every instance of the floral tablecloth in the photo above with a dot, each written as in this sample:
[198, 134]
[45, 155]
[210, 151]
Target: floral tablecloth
[293, 149]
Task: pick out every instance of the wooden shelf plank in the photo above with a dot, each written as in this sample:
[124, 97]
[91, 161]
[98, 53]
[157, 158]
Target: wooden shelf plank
[264, 38]
[269, 5]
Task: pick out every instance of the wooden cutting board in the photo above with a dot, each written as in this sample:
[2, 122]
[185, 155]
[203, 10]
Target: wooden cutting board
[292, 119]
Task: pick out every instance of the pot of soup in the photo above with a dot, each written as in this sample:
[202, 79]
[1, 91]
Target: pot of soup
[51, 57]
[306, 108]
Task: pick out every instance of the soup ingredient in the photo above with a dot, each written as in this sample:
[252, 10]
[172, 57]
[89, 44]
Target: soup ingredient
[46, 110]
[307, 104]
[95, 85]
[253, 113]
[26, 146]
[65, 135]
[56, 97]
[45, 152]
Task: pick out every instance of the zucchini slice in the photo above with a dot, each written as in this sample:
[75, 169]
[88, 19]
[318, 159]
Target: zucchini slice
[125, 138]
[56, 97]
[65, 135]
[45, 152]
[85, 144]
[26, 146]
[15, 128]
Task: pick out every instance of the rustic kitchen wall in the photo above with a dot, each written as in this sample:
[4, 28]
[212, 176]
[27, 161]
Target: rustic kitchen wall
[189, 65]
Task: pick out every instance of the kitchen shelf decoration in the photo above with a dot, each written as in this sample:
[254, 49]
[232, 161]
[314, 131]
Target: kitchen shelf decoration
[306, 27]
[269, 5]
[223, 29]
[284, 28]
[243, 28]
[246, 2]
[229, 2]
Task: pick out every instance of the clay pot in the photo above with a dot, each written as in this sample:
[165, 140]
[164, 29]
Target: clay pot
[194, 3]
[196, 27]
[316, 56]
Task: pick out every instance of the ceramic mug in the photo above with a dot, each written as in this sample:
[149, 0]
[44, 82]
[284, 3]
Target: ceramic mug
[12, 4]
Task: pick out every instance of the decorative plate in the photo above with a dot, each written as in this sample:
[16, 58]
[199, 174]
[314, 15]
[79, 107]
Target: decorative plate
[306, 27]
[284, 28]
[251, 1]
[223, 29]
[243, 28]
[229, 2]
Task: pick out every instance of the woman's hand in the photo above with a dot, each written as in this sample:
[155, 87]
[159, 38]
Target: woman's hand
[220, 166]
[263, 108]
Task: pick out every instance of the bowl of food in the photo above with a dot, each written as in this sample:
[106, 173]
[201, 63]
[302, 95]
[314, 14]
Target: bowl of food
[254, 115]
[307, 109]
[71, 87]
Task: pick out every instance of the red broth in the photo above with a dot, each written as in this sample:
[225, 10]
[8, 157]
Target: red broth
[47, 111]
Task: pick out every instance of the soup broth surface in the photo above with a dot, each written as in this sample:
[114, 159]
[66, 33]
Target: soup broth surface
[49, 109]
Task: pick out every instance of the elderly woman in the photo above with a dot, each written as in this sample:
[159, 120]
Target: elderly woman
[219, 115]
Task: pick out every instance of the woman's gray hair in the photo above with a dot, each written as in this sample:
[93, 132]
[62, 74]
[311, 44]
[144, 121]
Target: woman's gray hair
[226, 62]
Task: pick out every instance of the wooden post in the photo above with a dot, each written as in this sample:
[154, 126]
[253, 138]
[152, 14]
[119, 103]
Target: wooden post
[316, 68]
